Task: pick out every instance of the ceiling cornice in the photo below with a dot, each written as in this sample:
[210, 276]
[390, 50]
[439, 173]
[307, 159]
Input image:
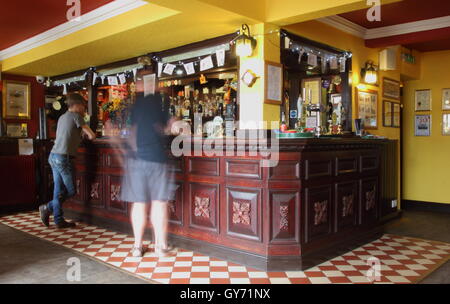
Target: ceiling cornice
[98, 15]
[345, 25]
[386, 31]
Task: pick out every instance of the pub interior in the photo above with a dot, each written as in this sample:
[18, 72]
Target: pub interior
[310, 140]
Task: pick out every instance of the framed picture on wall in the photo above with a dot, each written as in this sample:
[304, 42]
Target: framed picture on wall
[17, 130]
[423, 100]
[422, 125]
[446, 124]
[274, 83]
[16, 100]
[387, 114]
[391, 88]
[396, 115]
[367, 107]
[446, 99]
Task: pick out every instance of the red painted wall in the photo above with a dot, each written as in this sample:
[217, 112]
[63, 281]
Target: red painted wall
[37, 101]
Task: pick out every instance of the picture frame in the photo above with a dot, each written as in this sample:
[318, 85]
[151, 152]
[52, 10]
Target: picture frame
[446, 99]
[396, 115]
[274, 83]
[391, 88]
[17, 130]
[423, 100]
[16, 100]
[388, 114]
[313, 86]
[367, 108]
[422, 125]
[446, 124]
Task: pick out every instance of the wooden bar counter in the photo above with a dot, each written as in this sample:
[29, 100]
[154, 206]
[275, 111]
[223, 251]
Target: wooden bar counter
[322, 195]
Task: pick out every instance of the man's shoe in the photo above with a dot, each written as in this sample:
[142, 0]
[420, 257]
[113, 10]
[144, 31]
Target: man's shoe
[65, 224]
[45, 215]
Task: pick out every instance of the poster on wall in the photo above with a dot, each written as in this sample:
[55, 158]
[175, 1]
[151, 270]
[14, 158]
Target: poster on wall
[446, 99]
[367, 108]
[274, 83]
[446, 124]
[423, 100]
[422, 125]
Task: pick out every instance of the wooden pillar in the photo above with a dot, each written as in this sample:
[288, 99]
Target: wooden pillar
[92, 100]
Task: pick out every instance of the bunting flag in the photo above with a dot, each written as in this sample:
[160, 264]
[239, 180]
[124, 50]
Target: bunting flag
[301, 52]
[324, 65]
[103, 79]
[112, 80]
[160, 68]
[189, 67]
[220, 54]
[122, 78]
[312, 60]
[169, 68]
[287, 42]
[65, 89]
[206, 63]
[342, 62]
[134, 73]
[94, 78]
[333, 63]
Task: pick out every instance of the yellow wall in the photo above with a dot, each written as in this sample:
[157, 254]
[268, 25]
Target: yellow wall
[427, 159]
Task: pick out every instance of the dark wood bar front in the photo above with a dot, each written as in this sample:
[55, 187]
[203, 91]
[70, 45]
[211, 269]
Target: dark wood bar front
[323, 193]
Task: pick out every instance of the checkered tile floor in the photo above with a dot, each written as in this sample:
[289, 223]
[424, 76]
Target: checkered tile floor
[402, 259]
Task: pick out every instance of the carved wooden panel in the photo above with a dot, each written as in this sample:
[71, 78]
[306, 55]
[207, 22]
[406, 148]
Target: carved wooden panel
[346, 205]
[286, 170]
[204, 205]
[318, 213]
[176, 206]
[369, 200]
[243, 213]
[284, 215]
[114, 188]
[204, 166]
[318, 168]
[79, 184]
[346, 164]
[95, 191]
[243, 168]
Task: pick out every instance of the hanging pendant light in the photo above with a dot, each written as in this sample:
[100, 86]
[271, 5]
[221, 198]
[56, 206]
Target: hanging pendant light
[245, 43]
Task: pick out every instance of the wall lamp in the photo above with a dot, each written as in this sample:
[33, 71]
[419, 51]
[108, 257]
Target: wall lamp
[245, 43]
[370, 73]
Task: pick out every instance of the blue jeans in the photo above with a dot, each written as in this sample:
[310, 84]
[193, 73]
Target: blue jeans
[63, 184]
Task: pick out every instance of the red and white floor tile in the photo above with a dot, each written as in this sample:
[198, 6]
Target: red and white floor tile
[402, 259]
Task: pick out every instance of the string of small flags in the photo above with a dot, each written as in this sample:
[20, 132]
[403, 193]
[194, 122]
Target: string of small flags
[190, 67]
[335, 61]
